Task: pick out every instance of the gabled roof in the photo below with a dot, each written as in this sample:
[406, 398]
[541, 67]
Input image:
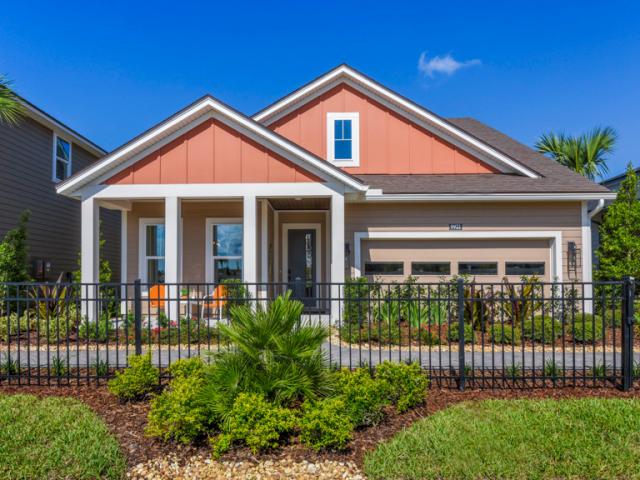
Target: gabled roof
[182, 121]
[403, 106]
[56, 125]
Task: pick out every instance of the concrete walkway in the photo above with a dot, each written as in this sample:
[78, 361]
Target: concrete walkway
[345, 356]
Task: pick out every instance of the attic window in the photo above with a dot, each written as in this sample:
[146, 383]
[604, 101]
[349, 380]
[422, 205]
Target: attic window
[343, 138]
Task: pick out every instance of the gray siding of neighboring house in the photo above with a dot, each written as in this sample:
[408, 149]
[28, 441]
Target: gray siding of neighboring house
[26, 153]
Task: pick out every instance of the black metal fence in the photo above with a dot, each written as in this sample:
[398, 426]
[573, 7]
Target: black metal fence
[482, 335]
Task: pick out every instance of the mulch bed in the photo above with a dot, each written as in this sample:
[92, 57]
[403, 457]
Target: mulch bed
[127, 421]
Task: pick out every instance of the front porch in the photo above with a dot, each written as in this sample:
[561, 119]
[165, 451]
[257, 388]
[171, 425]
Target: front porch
[269, 242]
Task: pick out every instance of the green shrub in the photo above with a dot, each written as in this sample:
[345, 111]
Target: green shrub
[357, 292]
[95, 331]
[55, 328]
[453, 333]
[58, 367]
[585, 328]
[255, 422]
[505, 334]
[272, 353]
[426, 336]
[406, 384]
[541, 329]
[15, 325]
[178, 413]
[364, 397]
[325, 425]
[384, 332]
[140, 379]
[187, 367]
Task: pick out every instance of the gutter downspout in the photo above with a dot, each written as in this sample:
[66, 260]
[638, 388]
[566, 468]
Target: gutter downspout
[598, 208]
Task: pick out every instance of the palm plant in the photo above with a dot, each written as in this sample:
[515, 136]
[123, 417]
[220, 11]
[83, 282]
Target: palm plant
[585, 154]
[273, 353]
[11, 110]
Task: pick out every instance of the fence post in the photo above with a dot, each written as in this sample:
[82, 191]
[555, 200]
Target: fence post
[461, 353]
[137, 315]
[628, 320]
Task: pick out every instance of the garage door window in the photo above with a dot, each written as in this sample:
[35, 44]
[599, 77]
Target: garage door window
[525, 268]
[430, 268]
[478, 268]
[384, 268]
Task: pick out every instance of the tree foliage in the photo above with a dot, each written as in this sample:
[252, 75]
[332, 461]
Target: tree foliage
[585, 154]
[11, 110]
[619, 250]
[14, 253]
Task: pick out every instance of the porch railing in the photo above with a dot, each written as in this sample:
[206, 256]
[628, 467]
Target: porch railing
[481, 335]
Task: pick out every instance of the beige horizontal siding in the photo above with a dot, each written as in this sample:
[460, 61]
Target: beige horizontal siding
[481, 216]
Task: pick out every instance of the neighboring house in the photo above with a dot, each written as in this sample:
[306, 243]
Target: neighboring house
[341, 178]
[613, 184]
[35, 156]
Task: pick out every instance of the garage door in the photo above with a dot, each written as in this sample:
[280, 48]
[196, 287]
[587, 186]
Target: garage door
[487, 260]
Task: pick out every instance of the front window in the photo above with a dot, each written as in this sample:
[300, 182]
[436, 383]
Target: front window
[154, 253]
[343, 137]
[61, 158]
[226, 250]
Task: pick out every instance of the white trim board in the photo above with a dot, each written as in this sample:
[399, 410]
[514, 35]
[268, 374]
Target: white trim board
[285, 247]
[204, 191]
[555, 259]
[208, 107]
[378, 196]
[400, 105]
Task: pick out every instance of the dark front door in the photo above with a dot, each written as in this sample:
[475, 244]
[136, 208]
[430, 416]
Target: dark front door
[302, 265]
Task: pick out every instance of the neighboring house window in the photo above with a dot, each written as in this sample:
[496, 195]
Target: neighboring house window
[524, 268]
[152, 260]
[61, 158]
[430, 268]
[478, 268]
[343, 138]
[384, 268]
[224, 249]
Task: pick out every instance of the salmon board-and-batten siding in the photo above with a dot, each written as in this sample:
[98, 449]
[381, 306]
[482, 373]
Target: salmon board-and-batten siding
[212, 153]
[389, 144]
[564, 217]
[26, 162]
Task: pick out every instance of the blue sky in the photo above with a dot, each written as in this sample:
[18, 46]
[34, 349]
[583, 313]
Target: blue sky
[112, 69]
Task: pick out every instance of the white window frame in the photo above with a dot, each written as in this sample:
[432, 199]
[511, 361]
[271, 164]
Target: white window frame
[54, 157]
[209, 258]
[355, 138]
[142, 248]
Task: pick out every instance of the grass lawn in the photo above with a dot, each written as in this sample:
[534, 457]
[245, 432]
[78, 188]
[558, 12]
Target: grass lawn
[55, 438]
[579, 438]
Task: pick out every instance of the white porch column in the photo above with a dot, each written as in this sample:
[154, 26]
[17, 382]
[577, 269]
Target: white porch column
[172, 254]
[587, 259]
[90, 256]
[123, 261]
[264, 247]
[337, 252]
[249, 242]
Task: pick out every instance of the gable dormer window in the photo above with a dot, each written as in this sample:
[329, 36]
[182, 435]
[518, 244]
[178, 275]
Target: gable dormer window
[61, 158]
[343, 138]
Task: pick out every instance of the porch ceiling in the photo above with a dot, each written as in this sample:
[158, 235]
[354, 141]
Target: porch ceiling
[301, 204]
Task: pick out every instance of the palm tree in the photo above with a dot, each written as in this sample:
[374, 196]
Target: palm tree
[585, 154]
[11, 110]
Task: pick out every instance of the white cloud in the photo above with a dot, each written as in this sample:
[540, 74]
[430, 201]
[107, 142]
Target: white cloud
[445, 64]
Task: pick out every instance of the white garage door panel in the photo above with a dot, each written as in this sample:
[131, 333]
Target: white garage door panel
[454, 251]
